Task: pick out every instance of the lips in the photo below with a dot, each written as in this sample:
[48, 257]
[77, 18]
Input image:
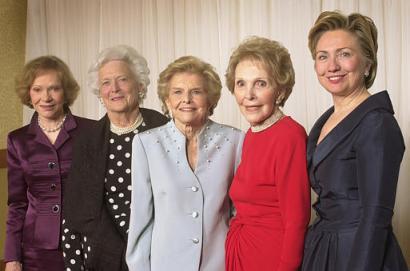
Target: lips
[252, 108]
[335, 78]
[187, 109]
[47, 106]
[117, 98]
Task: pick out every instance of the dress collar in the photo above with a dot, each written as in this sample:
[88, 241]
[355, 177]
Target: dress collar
[277, 115]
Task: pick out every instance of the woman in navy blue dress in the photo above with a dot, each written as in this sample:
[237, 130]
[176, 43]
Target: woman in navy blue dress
[354, 153]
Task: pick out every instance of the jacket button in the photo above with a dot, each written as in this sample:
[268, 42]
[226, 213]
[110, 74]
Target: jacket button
[195, 214]
[51, 165]
[194, 189]
[53, 186]
[195, 240]
[55, 208]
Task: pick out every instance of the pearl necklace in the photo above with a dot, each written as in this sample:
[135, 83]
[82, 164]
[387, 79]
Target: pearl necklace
[277, 115]
[125, 130]
[52, 130]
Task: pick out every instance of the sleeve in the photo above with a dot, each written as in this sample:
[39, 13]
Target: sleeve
[72, 248]
[238, 153]
[379, 151]
[17, 204]
[294, 198]
[142, 211]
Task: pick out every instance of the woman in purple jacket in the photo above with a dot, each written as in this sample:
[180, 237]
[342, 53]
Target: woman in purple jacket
[39, 157]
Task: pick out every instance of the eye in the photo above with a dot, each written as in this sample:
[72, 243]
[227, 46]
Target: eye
[105, 83]
[176, 91]
[239, 83]
[123, 79]
[321, 57]
[344, 54]
[55, 88]
[261, 84]
[35, 89]
[197, 92]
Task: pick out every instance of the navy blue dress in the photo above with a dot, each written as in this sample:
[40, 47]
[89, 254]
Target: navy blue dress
[354, 171]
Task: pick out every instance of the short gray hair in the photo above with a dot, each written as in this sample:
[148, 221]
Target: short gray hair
[137, 64]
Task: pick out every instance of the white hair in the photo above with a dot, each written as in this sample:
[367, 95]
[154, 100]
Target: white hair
[136, 63]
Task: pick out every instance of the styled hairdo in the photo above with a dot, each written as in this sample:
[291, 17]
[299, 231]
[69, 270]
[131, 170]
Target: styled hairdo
[194, 65]
[274, 57]
[362, 27]
[137, 64]
[39, 66]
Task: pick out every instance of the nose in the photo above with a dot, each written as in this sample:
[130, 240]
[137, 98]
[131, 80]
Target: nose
[46, 95]
[333, 64]
[249, 93]
[187, 97]
[115, 86]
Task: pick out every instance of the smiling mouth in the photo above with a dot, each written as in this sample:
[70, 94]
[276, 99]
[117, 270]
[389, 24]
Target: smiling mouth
[117, 98]
[187, 109]
[252, 108]
[335, 78]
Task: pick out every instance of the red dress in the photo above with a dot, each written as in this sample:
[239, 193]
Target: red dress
[271, 194]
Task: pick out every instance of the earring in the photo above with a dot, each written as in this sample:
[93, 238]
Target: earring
[366, 73]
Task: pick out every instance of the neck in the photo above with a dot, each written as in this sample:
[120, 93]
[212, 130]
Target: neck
[351, 101]
[188, 130]
[123, 119]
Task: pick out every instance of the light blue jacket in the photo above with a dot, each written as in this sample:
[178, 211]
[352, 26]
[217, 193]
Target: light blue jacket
[179, 217]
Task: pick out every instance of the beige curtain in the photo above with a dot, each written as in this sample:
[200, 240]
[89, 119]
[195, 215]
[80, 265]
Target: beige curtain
[163, 30]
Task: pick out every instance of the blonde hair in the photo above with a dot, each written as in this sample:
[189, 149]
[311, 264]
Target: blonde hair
[194, 65]
[360, 26]
[274, 57]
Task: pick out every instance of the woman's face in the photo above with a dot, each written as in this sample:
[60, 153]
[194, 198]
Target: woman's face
[47, 96]
[253, 91]
[118, 87]
[188, 100]
[339, 63]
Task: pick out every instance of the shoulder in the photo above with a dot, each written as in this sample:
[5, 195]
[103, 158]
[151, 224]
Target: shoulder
[84, 121]
[228, 132]
[19, 132]
[153, 118]
[291, 129]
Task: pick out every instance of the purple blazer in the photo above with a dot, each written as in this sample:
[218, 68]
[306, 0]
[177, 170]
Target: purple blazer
[36, 171]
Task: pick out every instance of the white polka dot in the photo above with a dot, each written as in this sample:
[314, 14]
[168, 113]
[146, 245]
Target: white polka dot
[127, 155]
[72, 261]
[117, 216]
[122, 223]
[72, 237]
[65, 230]
[115, 206]
[120, 179]
[63, 237]
[111, 140]
[89, 248]
[119, 163]
[85, 255]
[105, 180]
[85, 238]
[111, 200]
[127, 139]
[123, 214]
[128, 171]
[121, 195]
[135, 131]
[78, 252]
[127, 202]
[113, 188]
[64, 255]
[111, 171]
[119, 147]
[112, 156]
[129, 187]
[67, 245]
[63, 221]
[68, 269]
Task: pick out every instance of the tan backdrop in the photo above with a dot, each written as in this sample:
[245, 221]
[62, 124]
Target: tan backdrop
[12, 47]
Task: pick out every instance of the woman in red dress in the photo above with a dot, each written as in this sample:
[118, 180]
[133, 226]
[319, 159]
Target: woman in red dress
[270, 190]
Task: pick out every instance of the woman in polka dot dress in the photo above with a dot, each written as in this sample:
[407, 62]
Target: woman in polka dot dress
[98, 190]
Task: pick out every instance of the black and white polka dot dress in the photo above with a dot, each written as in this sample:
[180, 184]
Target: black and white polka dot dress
[117, 196]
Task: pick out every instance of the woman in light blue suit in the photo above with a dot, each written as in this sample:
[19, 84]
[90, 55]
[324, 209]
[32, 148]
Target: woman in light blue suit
[181, 173]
